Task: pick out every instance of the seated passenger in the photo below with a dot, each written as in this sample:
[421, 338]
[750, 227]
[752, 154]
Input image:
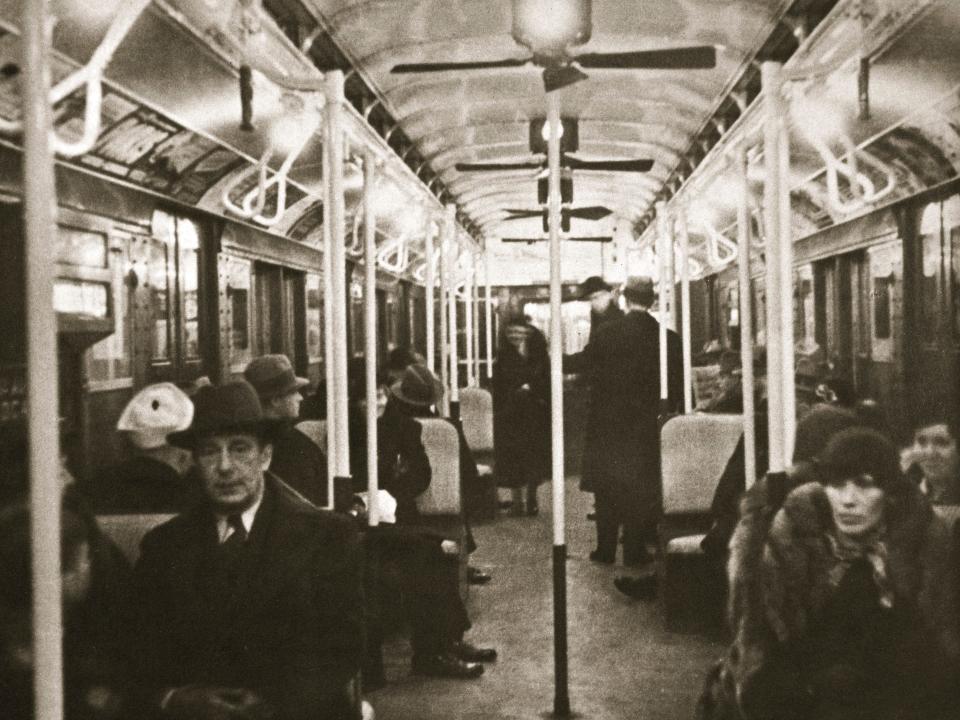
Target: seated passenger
[157, 478]
[933, 460]
[248, 605]
[297, 460]
[416, 396]
[411, 571]
[93, 580]
[400, 359]
[853, 608]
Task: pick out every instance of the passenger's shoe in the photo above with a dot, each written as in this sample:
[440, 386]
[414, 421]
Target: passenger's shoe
[638, 588]
[601, 557]
[476, 576]
[471, 653]
[447, 665]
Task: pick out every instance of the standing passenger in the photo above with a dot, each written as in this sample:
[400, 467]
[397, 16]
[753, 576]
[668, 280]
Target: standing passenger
[933, 460]
[249, 605]
[622, 452]
[297, 460]
[521, 413]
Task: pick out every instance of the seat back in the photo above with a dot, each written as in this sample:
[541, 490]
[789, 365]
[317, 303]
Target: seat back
[316, 430]
[476, 414]
[126, 531]
[694, 451]
[442, 443]
[950, 513]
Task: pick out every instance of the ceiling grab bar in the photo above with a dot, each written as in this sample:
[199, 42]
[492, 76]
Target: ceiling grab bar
[280, 180]
[394, 256]
[421, 271]
[879, 165]
[715, 241]
[860, 185]
[259, 167]
[90, 75]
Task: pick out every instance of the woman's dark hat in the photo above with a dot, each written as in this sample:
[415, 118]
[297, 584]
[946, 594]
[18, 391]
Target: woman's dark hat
[592, 284]
[860, 451]
[817, 427]
[418, 387]
[272, 376]
[230, 408]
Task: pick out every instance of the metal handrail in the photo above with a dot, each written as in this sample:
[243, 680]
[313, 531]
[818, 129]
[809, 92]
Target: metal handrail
[90, 75]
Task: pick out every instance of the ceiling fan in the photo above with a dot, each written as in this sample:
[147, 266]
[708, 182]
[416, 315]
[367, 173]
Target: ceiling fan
[569, 143]
[550, 29]
[592, 212]
[530, 241]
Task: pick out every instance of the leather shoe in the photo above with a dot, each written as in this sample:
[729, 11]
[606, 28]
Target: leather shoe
[471, 653]
[476, 576]
[600, 557]
[638, 588]
[447, 665]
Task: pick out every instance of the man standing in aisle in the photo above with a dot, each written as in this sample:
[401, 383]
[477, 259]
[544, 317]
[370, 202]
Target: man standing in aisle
[248, 605]
[622, 449]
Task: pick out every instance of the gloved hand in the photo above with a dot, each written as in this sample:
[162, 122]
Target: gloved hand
[204, 702]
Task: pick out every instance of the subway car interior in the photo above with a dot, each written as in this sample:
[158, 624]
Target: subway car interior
[685, 269]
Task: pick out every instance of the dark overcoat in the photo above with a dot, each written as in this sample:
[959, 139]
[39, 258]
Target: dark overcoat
[521, 415]
[622, 364]
[291, 631]
[301, 464]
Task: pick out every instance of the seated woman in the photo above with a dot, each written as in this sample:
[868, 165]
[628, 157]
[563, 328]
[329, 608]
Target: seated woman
[853, 611]
[412, 572]
[933, 460]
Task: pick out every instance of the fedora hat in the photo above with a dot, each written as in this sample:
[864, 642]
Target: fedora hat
[639, 289]
[592, 284]
[229, 408]
[272, 376]
[418, 386]
[155, 412]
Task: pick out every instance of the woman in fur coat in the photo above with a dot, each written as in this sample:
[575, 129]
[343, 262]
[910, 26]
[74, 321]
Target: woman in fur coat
[845, 605]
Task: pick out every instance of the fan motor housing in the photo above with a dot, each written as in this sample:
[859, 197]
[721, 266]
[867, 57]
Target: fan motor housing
[550, 27]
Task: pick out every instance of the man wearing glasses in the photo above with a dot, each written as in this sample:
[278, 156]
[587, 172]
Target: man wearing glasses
[247, 606]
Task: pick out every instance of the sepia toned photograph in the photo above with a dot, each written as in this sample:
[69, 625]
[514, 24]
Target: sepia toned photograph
[479, 359]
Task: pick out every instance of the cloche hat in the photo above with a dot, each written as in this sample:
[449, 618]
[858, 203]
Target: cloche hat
[272, 376]
[227, 408]
[418, 386]
[155, 412]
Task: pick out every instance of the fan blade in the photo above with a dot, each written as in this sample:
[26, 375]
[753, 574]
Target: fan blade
[529, 241]
[479, 167]
[522, 216]
[525, 212]
[592, 238]
[697, 57]
[443, 67]
[593, 212]
[638, 165]
[560, 76]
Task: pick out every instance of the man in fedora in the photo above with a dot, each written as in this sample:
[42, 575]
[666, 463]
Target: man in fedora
[622, 449]
[249, 605]
[297, 460]
[603, 307]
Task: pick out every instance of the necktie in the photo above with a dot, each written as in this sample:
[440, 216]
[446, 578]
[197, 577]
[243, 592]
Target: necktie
[239, 534]
[231, 550]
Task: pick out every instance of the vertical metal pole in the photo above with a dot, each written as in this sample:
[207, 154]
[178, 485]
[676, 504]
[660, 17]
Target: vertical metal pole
[685, 310]
[40, 224]
[561, 698]
[452, 255]
[488, 312]
[785, 241]
[664, 249]
[468, 319]
[370, 331]
[431, 280]
[770, 76]
[475, 302]
[746, 315]
[329, 332]
[338, 270]
[445, 242]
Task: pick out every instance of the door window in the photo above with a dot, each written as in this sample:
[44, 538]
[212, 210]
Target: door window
[238, 308]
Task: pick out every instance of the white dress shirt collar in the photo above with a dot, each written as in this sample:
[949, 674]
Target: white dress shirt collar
[224, 530]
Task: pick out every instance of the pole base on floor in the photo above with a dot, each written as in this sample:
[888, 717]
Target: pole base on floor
[561, 697]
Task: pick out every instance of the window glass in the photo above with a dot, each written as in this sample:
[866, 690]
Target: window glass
[238, 307]
[189, 243]
[803, 314]
[314, 319]
[930, 238]
[80, 297]
[951, 229]
[81, 247]
[159, 274]
[110, 358]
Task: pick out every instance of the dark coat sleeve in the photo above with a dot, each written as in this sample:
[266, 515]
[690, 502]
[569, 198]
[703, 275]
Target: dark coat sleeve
[412, 473]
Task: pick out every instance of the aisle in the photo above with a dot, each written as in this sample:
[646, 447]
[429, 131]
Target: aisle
[622, 665]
